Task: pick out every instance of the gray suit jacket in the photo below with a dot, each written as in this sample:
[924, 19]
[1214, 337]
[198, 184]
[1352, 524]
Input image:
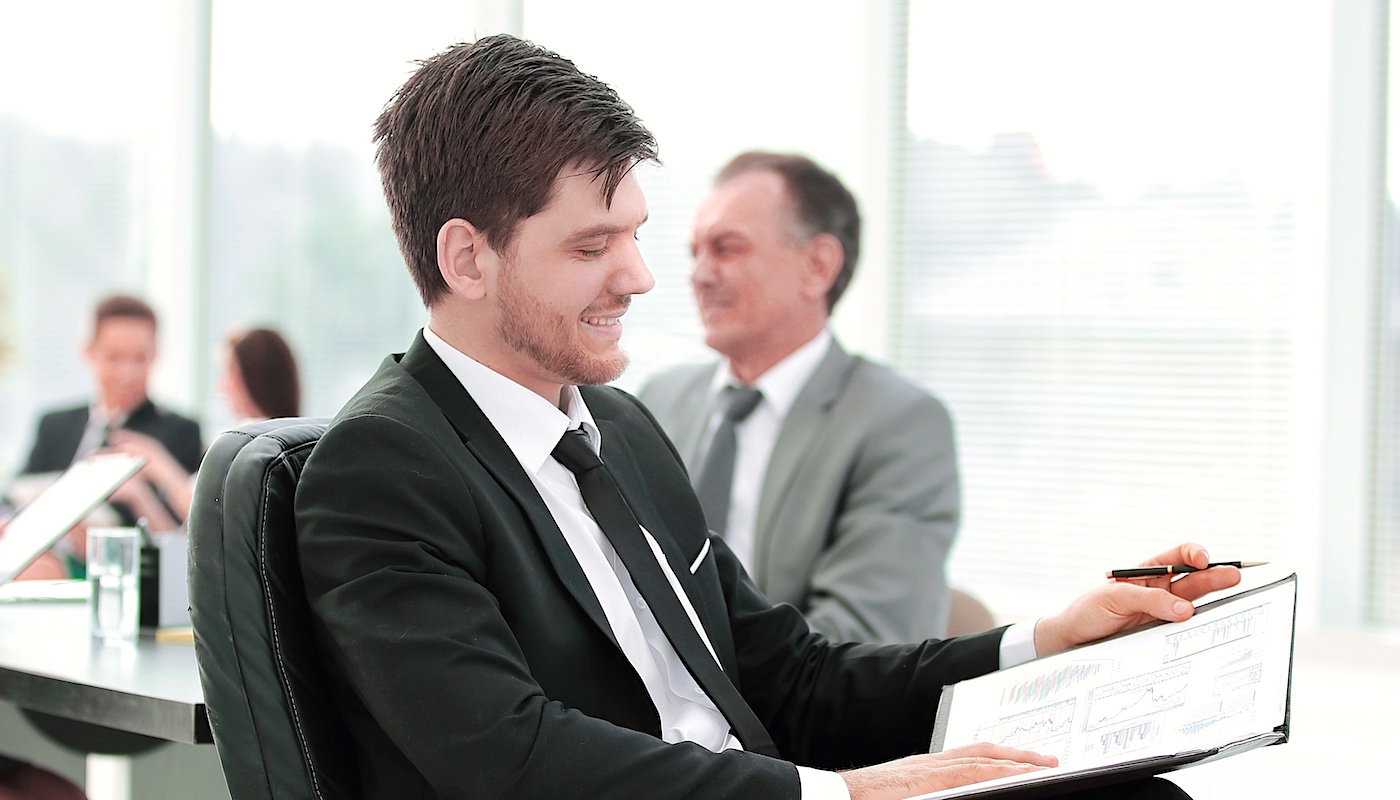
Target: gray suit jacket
[860, 503]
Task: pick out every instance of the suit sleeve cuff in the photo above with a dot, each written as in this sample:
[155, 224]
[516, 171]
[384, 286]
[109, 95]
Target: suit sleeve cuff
[1018, 644]
[819, 784]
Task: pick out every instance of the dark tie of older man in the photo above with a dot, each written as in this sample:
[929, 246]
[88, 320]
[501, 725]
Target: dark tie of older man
[716, 477]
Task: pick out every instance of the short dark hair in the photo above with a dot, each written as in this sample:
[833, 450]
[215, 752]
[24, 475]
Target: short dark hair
[269, 371]
[482, 131]
[823, 205]
[121, 306]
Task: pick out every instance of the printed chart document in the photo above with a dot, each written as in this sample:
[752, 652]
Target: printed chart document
[1148, 701]
[61, 505]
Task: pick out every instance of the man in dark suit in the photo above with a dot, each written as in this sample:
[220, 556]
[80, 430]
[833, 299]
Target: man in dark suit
[502, 615]
[857, 539]
[120, 354]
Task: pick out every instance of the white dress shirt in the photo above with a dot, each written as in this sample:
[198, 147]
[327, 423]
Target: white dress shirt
[531, 427]
[95, 432]
[757, 435]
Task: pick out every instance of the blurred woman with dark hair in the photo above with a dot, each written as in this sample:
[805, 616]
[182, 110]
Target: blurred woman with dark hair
[260, 376]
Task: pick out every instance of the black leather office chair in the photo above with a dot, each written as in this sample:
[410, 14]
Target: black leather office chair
[278, 733]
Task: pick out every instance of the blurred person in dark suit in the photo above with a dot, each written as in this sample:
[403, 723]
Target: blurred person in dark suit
[120, 354]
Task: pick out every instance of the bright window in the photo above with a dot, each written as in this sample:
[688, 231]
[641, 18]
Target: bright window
[1109, 217]
[76, 136]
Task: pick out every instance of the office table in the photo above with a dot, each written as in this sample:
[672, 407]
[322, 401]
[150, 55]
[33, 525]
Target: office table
[49, 663]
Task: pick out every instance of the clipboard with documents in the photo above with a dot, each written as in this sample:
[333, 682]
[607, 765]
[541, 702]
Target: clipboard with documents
[1151, 700]
[61, 505]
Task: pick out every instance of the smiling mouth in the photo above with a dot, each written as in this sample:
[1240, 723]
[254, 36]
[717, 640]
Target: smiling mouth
[607, 316]
[714, 300]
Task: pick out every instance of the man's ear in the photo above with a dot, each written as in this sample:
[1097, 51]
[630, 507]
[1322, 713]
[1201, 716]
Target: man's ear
[459, 246]
[824, 257]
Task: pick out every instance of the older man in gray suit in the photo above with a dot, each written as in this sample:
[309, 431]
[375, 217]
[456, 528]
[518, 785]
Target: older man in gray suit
[833, 479]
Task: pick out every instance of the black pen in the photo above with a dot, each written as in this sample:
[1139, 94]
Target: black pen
[1177, 569]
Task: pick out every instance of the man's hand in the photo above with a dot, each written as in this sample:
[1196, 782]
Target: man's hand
[160, 467]
[161, 470]
[934, 771]
[1119, 605]
[137, 495]
[46, 567]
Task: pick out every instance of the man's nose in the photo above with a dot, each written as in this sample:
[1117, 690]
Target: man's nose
[633, 275]
[702, 270]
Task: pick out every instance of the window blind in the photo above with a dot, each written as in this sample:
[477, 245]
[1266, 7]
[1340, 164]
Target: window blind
[1384, 555]
[1106, 302]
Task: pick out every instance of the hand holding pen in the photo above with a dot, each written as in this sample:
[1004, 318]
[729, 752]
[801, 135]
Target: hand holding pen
[1175, 569]
[1117, 605]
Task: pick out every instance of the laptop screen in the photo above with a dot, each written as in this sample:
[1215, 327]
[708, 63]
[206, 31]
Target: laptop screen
[63, 504]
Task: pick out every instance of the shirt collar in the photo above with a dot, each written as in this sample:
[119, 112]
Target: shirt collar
[97, 414]
[530, 425]
[783, 382]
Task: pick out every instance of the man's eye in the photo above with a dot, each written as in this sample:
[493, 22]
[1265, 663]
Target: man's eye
[593, 253]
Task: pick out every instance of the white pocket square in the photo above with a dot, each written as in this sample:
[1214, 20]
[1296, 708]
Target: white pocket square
[704, 551]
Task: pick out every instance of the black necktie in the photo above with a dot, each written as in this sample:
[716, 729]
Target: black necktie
[614, 517]
[716, 477]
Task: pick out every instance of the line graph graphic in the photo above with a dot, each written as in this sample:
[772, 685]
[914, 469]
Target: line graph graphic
[1048, 684]
[1232, 682]
[1240, 655]
[1196, 640]
[1030, 727]
[1140, 696]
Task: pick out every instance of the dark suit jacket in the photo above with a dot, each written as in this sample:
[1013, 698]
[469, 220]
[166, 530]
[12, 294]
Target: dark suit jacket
[60, 432]
[471, 658]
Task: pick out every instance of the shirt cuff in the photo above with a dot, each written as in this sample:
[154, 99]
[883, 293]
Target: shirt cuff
[1017, 647]
[1018, 644]
[818, 784]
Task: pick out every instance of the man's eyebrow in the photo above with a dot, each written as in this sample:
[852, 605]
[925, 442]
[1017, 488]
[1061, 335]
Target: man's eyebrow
[595, 231]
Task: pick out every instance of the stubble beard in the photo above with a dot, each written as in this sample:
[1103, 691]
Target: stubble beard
[550, 340]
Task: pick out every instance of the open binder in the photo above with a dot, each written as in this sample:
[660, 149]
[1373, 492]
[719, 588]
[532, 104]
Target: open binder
[1147, 701]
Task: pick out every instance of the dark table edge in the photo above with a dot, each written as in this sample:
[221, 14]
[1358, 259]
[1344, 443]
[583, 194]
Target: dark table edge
[172, 720]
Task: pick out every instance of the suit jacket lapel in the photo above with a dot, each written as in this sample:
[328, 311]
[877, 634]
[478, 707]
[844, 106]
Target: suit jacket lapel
[481, 438]
[146, 410]
[624, 466]
[801, 429]
[688, 426]
[69, 438]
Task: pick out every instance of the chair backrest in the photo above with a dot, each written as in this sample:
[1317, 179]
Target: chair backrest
[968, 614]
[276, 727]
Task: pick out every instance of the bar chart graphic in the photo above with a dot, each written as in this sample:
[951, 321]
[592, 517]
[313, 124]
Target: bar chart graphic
[1049, 684]
[1197, 639]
